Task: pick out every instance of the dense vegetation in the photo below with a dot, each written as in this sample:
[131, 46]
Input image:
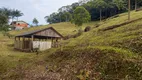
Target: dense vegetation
[98, 9]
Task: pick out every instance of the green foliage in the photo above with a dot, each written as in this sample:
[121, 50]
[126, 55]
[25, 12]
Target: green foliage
[35, 21]
[120, 4]
[3, 23]
[16, 13]
[80, 16]
[3, 19]
[99, 4]
[11, 13]
[68, 16]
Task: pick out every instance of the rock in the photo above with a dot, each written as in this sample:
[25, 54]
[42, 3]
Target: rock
[88, 28]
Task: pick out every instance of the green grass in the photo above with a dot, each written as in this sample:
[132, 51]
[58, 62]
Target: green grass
[114, 54]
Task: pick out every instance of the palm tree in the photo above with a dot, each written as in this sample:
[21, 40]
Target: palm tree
[13, 13]
[18, 14]
[35, 21]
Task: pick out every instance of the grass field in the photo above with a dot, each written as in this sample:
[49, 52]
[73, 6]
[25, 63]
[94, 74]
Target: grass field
[98, 55]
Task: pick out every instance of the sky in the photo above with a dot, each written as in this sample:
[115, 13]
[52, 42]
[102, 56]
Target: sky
[35, 8]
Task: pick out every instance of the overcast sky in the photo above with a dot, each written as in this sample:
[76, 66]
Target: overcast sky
[35, 8]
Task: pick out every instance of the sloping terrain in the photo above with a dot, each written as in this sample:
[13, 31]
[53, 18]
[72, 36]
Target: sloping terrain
[94, 55]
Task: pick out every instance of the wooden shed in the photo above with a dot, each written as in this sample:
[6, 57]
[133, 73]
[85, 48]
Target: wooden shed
[41, 39]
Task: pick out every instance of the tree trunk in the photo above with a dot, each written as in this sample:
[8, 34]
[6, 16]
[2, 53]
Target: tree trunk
[129, 9]
[135, 5]
[100, 15]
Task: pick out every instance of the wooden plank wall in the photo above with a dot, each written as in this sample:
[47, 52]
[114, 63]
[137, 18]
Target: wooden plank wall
[42, 45]
[23, 45]
[48, 32]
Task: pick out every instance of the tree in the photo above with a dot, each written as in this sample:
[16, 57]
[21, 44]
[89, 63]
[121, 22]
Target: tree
[3, 22]
[68, 16]
[3, 19]
[6, 12]
[99, 4]
[13, 12]
[136, 3]
[18, 14]
[10, 13]
[80, 16]
[35, 21]
[120, 4]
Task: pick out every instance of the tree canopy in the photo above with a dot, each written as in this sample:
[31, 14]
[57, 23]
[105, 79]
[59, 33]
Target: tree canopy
[35, 21]
[11, 13]
[80, 16]
[98, 9]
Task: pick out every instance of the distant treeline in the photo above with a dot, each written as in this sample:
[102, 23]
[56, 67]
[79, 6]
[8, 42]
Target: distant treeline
[105, 8]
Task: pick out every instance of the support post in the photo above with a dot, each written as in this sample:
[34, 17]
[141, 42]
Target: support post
[23, 42]
[32, 39]
[15, 44]
[52, 42]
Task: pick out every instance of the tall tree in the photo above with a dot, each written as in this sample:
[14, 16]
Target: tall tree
[120, 4]
[3, 19]
[6, 12]
[35, 21]
[18, 14]
[13, 13]
[99, 4]
[68, 16]
[3, 22]
[80, 16]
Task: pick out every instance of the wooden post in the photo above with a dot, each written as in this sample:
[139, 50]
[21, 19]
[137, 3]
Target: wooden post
[32, 42]
[19, 38]
[52, 44]
[23, 42]
[56, 42]
[15, 38]
[61, 45]
[15, 43]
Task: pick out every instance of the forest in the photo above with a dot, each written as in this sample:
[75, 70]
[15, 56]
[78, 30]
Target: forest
[98, 9]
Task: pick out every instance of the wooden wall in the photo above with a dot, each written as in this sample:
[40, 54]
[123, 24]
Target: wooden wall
[42, 45]
[48, 32]
[23, 45]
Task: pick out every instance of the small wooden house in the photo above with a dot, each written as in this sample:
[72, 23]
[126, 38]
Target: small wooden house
[41, 39]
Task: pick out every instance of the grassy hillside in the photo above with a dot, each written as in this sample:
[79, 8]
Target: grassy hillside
[95, 55]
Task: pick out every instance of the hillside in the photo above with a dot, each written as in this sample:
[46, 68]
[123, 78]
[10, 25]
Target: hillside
[95, 55]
